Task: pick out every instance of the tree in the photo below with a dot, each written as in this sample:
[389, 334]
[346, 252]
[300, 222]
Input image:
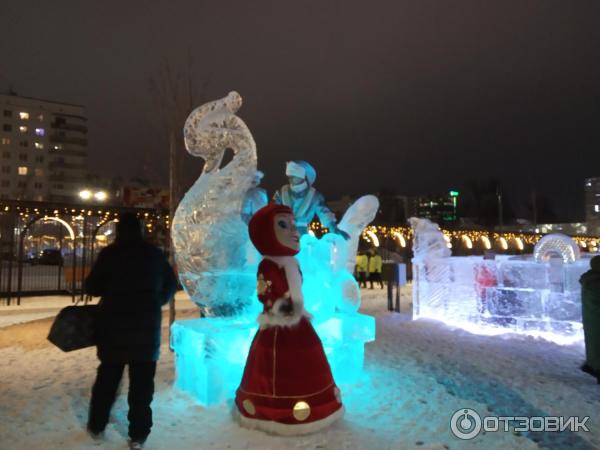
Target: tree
[176, 96]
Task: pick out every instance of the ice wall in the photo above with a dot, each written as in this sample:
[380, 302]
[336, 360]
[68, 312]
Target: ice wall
[516, 294]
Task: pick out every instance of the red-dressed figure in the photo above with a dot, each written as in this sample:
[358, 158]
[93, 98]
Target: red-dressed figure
[287, 387]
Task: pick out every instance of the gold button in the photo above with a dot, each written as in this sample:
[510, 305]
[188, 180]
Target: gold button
[249, 407]
[301, 411]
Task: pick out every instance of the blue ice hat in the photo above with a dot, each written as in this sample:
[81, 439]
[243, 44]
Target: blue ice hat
[297, 167]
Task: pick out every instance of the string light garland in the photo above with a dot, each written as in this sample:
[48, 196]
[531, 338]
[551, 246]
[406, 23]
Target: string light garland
[479, 240]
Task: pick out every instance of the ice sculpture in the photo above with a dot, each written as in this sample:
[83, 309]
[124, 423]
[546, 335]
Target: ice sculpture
[428, 240]
[209, 236]
[517, 294]
[556, 245]
[211, 243]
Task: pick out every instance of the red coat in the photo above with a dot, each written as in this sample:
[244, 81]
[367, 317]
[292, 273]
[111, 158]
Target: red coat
[287, 386]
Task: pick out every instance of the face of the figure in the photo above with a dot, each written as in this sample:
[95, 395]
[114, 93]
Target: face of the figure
[285, 231]
[295, 180]
[297, 184]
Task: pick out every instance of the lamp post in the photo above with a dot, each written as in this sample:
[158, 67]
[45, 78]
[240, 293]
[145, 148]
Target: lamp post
[499, 198]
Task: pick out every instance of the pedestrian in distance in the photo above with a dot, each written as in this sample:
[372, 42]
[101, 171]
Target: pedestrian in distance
[362, 267]
[134, 280]
[375, 266]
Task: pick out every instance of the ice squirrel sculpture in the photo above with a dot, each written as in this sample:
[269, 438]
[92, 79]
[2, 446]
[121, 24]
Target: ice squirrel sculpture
[209, 236]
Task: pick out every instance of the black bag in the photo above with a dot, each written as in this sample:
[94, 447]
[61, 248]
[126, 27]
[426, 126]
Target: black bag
[74, 328]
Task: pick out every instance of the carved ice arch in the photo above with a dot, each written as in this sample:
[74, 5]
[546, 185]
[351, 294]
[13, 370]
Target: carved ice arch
[556, 244]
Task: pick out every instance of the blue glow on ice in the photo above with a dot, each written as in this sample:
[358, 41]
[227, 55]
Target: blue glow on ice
[211, 352]
[217, 265]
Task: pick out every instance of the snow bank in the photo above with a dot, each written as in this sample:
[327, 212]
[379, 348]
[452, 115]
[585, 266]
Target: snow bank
[420, 373]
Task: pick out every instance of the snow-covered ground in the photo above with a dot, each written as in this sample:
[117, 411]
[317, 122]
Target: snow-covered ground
[420, 373]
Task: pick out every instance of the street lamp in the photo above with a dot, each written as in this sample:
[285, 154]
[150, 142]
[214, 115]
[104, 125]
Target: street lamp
[100, 196]
[85, 194]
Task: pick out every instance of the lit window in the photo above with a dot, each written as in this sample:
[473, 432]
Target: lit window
[23, 129]
[23, 170]
[41, 117]
[57, 147]
[39, 145]
[597, 208]
[5, 141]
[39, 172]
[24, 115]
[39, 132]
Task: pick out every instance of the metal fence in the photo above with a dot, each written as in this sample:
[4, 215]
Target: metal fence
[49, 248]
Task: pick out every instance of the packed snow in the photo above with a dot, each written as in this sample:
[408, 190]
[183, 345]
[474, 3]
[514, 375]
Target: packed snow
[419, 373]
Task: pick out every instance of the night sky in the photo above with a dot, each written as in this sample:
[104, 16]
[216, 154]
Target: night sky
[413, 96]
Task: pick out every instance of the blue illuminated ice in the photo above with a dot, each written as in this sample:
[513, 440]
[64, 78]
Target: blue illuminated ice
[217, 266]
[517, 294]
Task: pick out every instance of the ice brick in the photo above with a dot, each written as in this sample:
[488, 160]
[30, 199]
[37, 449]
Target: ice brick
[523, 274]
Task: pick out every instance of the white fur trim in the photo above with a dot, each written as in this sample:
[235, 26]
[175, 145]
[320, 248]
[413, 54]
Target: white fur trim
[284, 429]
[273, 318]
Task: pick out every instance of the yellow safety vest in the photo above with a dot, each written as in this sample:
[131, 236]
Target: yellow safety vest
[362, 263]
[375, 264]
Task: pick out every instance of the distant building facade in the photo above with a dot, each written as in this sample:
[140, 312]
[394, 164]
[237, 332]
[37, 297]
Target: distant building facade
[441, 209]
[396, 209]
[43, 149]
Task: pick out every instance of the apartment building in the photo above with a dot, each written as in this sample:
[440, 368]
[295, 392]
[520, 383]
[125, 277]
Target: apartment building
[43, 149]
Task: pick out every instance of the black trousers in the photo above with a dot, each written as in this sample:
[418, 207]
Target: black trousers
[362, 279]
[141, 391]
[376, 277]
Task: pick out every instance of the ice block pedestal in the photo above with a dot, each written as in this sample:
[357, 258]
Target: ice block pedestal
[210, 353]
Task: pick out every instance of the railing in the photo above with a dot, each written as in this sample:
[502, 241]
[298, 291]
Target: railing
[68, 140]
[69, 126]
[76, 244]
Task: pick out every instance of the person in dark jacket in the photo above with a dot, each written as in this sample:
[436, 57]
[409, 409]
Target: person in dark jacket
[135, 280]
[590, 312]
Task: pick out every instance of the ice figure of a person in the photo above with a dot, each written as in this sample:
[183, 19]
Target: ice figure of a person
[255, 198]
[304, 200]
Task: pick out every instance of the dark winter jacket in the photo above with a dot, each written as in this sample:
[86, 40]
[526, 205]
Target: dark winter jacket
[135, 280]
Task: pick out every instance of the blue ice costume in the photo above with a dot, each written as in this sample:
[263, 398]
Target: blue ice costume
[304, 200]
